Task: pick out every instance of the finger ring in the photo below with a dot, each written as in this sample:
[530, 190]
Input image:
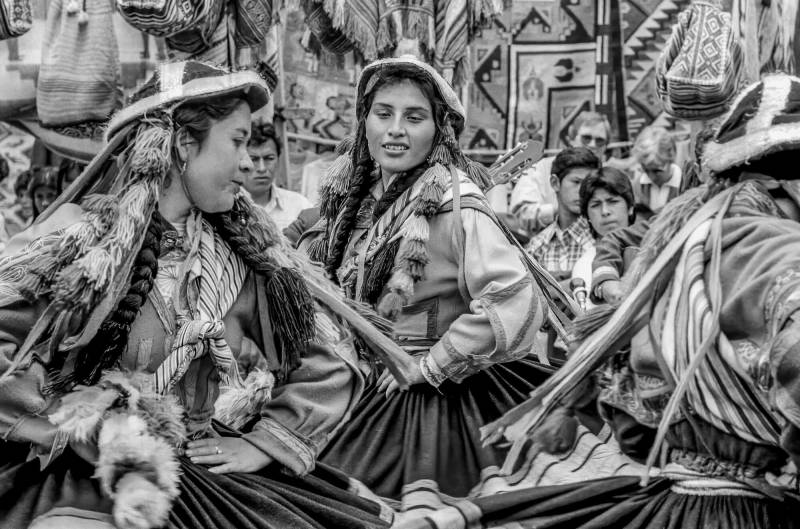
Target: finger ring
[218, 451]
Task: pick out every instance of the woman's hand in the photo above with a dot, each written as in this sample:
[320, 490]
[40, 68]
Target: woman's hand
[388, 384]
[612, 291]
[227, 454]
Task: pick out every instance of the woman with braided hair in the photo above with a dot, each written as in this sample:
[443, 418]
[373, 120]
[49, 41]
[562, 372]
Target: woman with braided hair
[407, 230]
[119, 333]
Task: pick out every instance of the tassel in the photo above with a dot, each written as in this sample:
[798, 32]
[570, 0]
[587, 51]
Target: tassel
[440, 155]
[318, 249]
[335, 185]
[235, 407]
[83, 18]
[391, 305]
[478, 174]
[150, 157]
[413, 250]
[292, 313]
[401, 282]
[77, 284]
[345, 146]
[416, 228]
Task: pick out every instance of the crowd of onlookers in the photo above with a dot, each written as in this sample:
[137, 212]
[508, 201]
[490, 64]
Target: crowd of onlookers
[559, 206]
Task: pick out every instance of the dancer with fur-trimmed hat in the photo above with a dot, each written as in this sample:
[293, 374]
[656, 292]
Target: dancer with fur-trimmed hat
[119, 334]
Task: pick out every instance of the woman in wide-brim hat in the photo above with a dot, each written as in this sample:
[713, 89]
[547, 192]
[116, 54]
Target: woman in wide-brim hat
[717, 280]
[120, 330]
[407, 229]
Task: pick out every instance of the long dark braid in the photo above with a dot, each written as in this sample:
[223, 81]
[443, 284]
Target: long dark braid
[111, 340]
[289, 302]
[359, 189]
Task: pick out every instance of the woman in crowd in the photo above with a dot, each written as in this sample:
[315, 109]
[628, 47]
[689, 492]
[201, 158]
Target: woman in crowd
[43, 189]
[133, 312]
[407, 229]
[607, 202]
[656, 178]
[715, 289]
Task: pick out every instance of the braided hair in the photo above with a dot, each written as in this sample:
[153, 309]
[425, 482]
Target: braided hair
[111, 339]
[364, 166]
[257, 241]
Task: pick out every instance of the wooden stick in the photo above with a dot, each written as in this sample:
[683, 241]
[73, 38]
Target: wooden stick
[392, 355]
[580, 363]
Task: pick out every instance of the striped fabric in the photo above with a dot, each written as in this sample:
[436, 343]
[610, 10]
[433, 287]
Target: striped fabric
[358, 19]
[79, 79]
[162, 18]
[212, 282]
[253, 19]
[451, 38]
[717, 393]
[15, 18]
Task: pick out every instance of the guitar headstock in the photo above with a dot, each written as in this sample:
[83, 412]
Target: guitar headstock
[510, 166]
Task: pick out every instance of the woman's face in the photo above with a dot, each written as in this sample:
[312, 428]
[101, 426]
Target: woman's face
[400, 127]
[217, 169]
[607, 212]
[25, 204]
[42, 197]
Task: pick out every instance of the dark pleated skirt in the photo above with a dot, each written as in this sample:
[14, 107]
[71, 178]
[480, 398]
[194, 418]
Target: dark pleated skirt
[267, 499]
[615, 503]
[430, 434]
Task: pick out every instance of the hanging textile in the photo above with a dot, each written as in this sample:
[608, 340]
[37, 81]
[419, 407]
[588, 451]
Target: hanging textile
[15, 18]
[253, 20]
[79, 79]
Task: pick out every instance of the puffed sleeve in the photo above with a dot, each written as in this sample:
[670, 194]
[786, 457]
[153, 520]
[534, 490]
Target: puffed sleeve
[22, 404]
[316, 399]
[505, 312]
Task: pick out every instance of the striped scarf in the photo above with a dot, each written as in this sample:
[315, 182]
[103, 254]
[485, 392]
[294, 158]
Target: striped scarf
[210, 282]
[716, 392]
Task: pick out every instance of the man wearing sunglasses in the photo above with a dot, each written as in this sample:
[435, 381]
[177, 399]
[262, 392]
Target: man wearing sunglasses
[533, 200]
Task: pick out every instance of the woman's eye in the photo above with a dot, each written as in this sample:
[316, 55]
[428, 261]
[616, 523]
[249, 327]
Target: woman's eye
[382, 114]
[415, 119]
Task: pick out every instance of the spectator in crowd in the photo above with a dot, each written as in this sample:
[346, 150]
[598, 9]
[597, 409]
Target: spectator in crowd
[20, 214]
[7, 197]
[607, 202]
[68, 172]
[43, 189]
[264, 149]
[657, 179]
[559, 246]
[533, 200]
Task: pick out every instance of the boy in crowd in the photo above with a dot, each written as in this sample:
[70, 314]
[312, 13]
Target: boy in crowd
[559, 245]
[533, 200]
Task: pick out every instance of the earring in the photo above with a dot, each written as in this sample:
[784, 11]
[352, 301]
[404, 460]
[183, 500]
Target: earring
[183, 167]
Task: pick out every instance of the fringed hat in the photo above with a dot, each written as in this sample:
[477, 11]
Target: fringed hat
[764, 120]
[352, 172]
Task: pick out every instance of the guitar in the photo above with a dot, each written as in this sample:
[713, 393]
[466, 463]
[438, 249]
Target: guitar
[510, 166]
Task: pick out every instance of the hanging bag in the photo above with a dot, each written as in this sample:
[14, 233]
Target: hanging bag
[15, 18]
[199, 37]
[79, 79]
[163, 18]
[253, 20]
[698, 72]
